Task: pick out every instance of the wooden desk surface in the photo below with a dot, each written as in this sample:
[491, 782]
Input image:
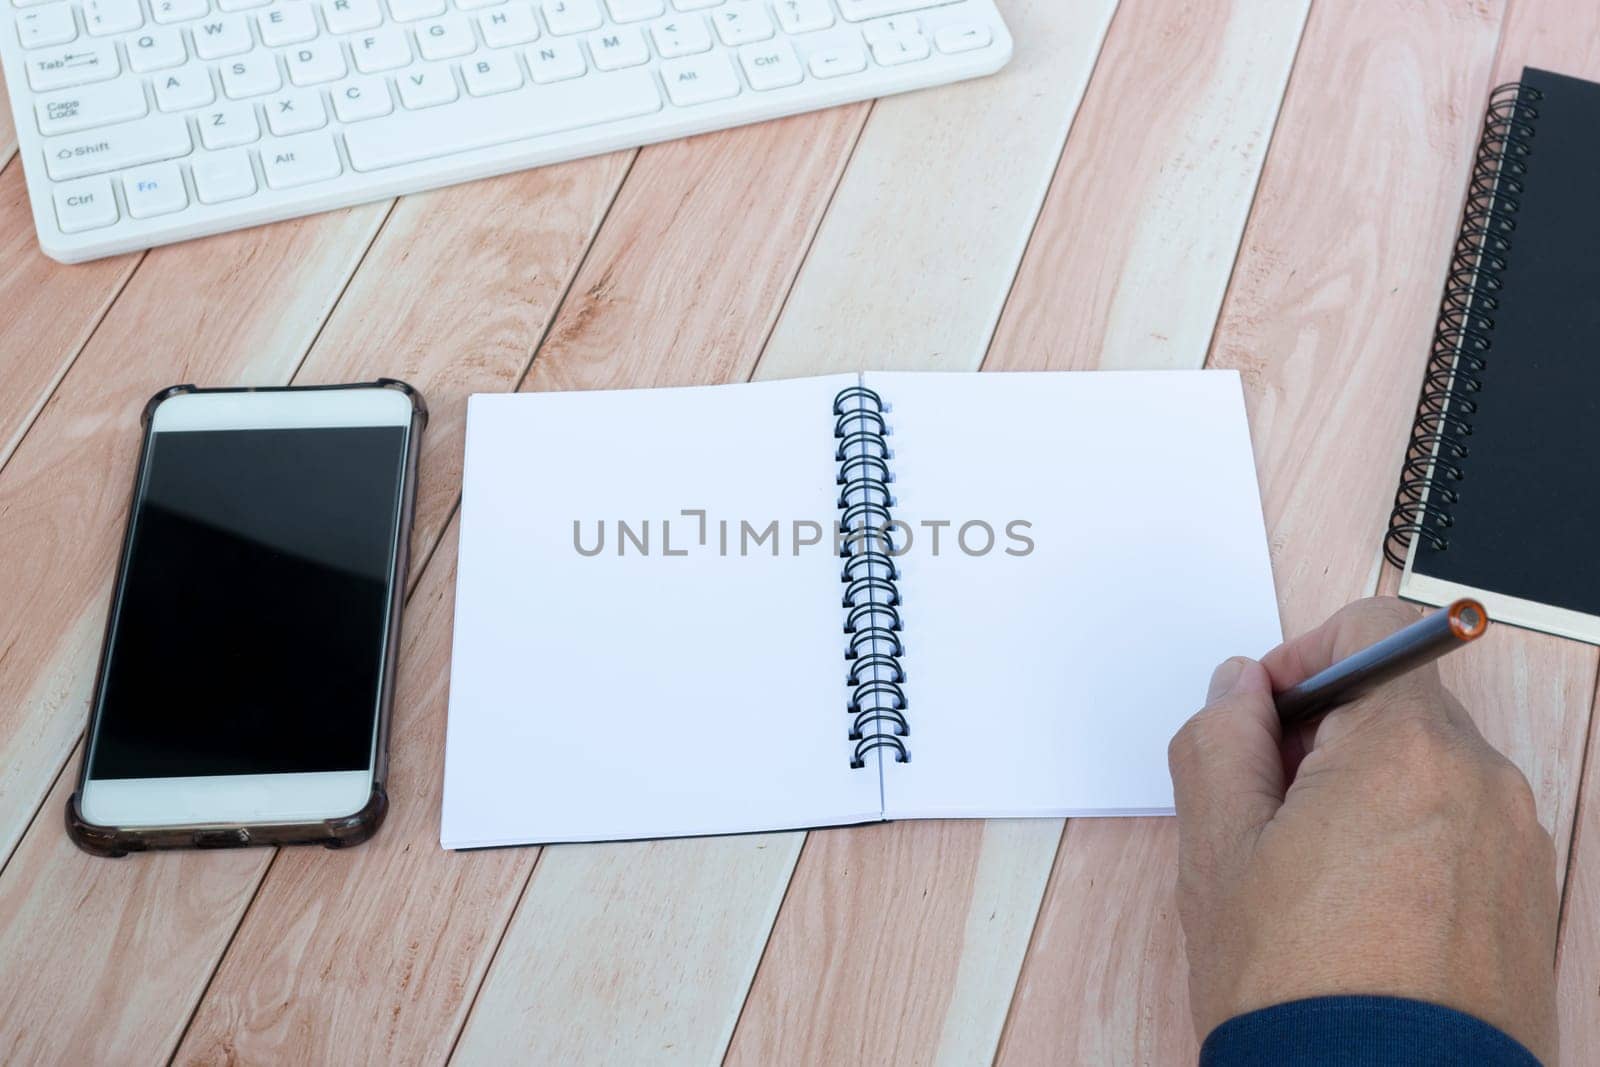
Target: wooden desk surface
[1269, 185]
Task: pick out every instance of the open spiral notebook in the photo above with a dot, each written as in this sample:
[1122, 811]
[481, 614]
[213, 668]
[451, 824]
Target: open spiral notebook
[843, 599]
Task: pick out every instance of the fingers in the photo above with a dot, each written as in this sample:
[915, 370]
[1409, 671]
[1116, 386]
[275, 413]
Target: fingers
[1227, 770]
[1347, 631]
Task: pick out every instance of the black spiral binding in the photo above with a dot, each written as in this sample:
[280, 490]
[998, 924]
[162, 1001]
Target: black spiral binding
[1465, 332]
[872, 623]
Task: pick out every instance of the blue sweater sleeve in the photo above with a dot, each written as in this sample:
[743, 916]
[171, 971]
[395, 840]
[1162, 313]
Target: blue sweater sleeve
[1360, 1032]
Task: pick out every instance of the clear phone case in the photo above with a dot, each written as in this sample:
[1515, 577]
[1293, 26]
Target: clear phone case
[331, 833]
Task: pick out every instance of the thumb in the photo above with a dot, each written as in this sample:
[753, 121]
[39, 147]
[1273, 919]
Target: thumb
[1226, 764]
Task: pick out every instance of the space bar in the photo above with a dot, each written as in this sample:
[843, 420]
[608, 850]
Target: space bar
[478, 122]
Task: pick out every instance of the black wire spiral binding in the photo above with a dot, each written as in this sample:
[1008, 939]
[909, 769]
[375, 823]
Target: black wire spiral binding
[1464, 333]
[872, 623]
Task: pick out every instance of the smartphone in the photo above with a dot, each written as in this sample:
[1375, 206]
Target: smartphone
[248, 667]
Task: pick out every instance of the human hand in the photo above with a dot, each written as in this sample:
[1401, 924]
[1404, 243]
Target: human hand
[1387, 850]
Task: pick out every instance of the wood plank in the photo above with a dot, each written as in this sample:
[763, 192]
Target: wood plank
[46, 312]
[1205, 122]
[1578, 951]
[1330, 283]
[1552, 681]
[77, 938]
[1136, 242]
[194, 312]
[423, 955]
[476, 245]
[454, 298]
[926, 230]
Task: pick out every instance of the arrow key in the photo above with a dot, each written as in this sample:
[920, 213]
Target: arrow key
[963, 37]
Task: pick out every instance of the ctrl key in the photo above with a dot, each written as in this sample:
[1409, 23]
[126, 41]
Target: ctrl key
[85, 205]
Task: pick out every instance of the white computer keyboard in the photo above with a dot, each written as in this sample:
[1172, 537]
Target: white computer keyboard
[147, 121]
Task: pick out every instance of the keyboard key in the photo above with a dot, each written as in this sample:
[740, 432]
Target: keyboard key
[427, 86]
[892, 51]
[406, 10]
[555, 61]
[251, 75]
[286, 24]
[220, 37]
[478, 122]
[858, 10]
[46, 25]
[699, 79]
[92, 105]
[446, 38]
[803, 16]
[351, 16]
[883, 29]
[315, 63]
[228, 126]
[835, 62]
[742, 22]
[154, 190]
[492, 74]
[297, 111]
[681, 35]
[615, 49]
[294, 161]
[188, 86]
[73, 64]
[101, 17]
[963, 37]
[694, 5]
[381, 50]
[156, 49]
[512, 24]
[473, 5]
[772, 65]
[635, 10]
[223, 176]
[85, 205]
[109, 148]
[361, 98]
[169, 11]
[572, 16]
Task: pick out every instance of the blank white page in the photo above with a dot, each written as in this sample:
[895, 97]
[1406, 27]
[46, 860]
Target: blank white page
[642, 695]
[1050, 683]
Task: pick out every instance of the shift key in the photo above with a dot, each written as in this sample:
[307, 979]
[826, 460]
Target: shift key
[109, 148]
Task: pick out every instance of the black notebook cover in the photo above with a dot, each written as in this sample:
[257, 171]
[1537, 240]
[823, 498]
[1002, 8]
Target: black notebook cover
[1498, 497]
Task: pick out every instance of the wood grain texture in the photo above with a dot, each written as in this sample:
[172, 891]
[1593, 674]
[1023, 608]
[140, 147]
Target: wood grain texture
[925, 232]
[191, 313]
[90, 945]
[643, 948]
[46, 313]
[1578, 952]
[1330, 281]
[1136, 241]
[479, 246]
[422, 955]
[947, 1015]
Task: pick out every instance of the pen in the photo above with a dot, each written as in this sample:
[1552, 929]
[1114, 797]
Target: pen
[1404, 650]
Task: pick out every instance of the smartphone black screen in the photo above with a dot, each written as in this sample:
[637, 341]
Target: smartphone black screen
[248, 634]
